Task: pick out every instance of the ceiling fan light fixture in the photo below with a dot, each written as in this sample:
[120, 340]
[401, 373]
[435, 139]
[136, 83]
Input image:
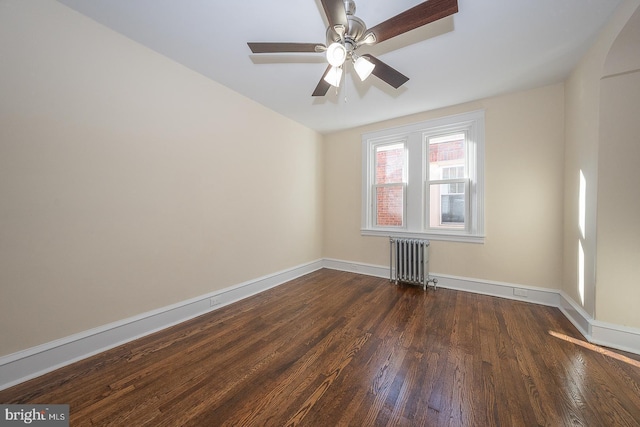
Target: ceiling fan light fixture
[333, 77]
[336, 54]
[363, 67]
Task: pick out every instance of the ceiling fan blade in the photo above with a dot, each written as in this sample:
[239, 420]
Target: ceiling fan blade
[259, 47]
[336, 13]
[417, 16]
[323, 86]
[386, 73]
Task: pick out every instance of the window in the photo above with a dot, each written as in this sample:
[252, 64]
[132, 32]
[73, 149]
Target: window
[389, 178]
[447, 181]
[426, 179]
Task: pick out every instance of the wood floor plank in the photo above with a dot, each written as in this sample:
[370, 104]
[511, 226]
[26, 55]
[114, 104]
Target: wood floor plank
[342, 349]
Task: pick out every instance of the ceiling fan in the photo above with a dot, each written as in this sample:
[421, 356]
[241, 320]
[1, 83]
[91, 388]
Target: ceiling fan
[346, 33]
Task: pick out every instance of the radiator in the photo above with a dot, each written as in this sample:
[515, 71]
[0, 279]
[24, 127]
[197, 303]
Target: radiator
[409, 262]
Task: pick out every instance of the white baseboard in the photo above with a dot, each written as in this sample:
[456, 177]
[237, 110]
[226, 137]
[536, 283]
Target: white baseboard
[615, 336]
[531, 294]
[33, 362]
[601, 333]
[576, 314]
[356, 267]
[596, 332]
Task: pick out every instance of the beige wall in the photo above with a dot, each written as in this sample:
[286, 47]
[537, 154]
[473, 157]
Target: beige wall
[128, 182]
[524, 196]
[618, 233]
[618, 274]
[587, 109]
[581, 154]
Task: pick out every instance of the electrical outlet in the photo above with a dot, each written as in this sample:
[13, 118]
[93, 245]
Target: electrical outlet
[213, 301]
[520, 292]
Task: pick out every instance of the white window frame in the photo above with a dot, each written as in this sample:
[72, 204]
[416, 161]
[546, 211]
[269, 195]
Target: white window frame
[416, 197]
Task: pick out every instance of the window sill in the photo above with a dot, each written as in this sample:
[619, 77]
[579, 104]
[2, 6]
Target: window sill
[465, 238]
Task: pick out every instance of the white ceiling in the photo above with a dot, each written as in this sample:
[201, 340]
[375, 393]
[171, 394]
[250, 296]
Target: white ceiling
[488, 47]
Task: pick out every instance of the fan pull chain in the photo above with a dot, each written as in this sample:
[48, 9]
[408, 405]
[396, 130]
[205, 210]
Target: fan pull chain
[340, 82]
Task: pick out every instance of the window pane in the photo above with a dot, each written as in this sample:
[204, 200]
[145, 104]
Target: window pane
[447, 209]
[389, 164]
[452, 209]
[389, 206]
[447, 156]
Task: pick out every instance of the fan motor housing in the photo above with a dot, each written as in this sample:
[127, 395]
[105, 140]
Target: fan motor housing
[355, 31]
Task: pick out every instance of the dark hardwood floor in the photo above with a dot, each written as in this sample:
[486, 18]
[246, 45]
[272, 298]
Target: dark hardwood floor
[341, 349]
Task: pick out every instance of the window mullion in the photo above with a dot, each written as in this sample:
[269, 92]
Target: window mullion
[414, 182]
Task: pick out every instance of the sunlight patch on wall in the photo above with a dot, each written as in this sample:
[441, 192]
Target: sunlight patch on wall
[582, 222]
[582, 205]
